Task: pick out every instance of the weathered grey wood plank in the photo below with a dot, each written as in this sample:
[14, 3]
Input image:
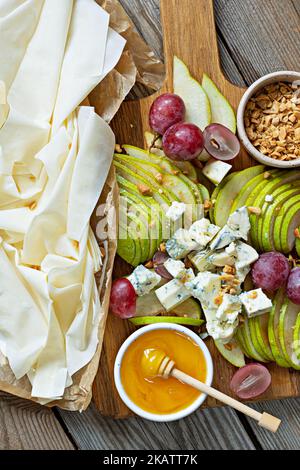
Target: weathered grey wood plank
[288, 435]
[207, 429]
[262, 36]
[25, 425]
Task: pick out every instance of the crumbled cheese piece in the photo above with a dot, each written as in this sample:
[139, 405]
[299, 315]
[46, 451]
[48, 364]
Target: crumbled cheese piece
[172, 294]
[181, 244]
[246, 255]
[203, 231]
[216, 170]
[175, 267]
[239, 222]
[229, 309]
[255, 302]
[176, 210]
[143, 280]
[221, 258]
[223, 238]
[205, 287]
[231, 249]
[269, 198]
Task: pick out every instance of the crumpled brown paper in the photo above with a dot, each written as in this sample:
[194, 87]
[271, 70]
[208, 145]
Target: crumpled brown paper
[137, 63]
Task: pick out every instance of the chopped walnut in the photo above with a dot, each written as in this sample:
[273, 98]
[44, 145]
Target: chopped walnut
[144, 190]
[254, 210]
[272, 121]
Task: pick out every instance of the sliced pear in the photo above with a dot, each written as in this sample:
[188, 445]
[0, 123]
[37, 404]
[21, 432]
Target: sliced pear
[245, 330]
[144, 215]
[196, 101]
[273, 327]
[221, 110]
[266, 225]
[139, 321]
[162, 197]
[261, 327]
[186, 167]
[247, 190]
[149, 305]
[136, 226]
[290, 222]
[296, 337]
[257, 199]
[240, 339]
[229, 192]
[297, 246]
[145, 157]
[287, 321]
[254, 339]
[231, 352]
[215, 193]
[129, 247]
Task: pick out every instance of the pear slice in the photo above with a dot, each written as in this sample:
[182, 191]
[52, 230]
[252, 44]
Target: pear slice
[297, 246]
[148, 305]
[229, 192]
[195, 99]
[139, 321]
[248, 189]
[287, 321]
[240, 339]
[254, 339]
[261, 327]
[273, 329]
[231, 352]
[289, 224]
[221, 110]
[249, 344]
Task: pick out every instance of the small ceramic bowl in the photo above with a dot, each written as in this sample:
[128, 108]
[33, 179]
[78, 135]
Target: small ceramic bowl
[284, 76]
[162, 417]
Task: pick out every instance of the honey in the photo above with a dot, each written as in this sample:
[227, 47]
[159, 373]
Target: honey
[158, 395]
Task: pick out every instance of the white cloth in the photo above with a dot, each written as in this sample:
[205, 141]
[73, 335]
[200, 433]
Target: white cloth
[54, 160]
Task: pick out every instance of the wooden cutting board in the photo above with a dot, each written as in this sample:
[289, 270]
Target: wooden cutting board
[189, 32]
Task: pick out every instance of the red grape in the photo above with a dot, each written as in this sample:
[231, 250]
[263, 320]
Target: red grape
[123, 298]
[293, 286]
[270, 271]
[250, 381]
[158, 261]
[220, 142]
[183, 141]
[166, 110]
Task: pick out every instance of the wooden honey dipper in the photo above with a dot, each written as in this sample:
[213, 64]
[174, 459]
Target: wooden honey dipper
[155, 363]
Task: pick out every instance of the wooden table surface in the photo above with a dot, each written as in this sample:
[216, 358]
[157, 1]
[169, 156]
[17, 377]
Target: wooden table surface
[255, 37]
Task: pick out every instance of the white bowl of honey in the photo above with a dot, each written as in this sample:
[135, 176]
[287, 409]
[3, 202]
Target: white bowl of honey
[156, 398]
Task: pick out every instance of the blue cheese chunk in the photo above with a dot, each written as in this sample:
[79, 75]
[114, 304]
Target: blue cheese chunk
[216, 170]
[181, 244]
[175, 267]
[245, 255]
[172, 294]
[205, 287]
[176, 210]
[143, 280]
[221, 258]
[229, 309]
[255, 302]
[231, 249]
[239, 222]
[202, 231]
[225, 236]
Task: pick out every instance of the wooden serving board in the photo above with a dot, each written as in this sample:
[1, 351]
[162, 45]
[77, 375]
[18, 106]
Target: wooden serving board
[189, 32]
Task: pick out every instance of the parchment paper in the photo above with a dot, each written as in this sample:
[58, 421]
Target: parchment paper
[137, 63]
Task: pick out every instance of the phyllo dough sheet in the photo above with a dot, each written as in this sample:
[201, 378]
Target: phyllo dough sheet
[54, 160]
